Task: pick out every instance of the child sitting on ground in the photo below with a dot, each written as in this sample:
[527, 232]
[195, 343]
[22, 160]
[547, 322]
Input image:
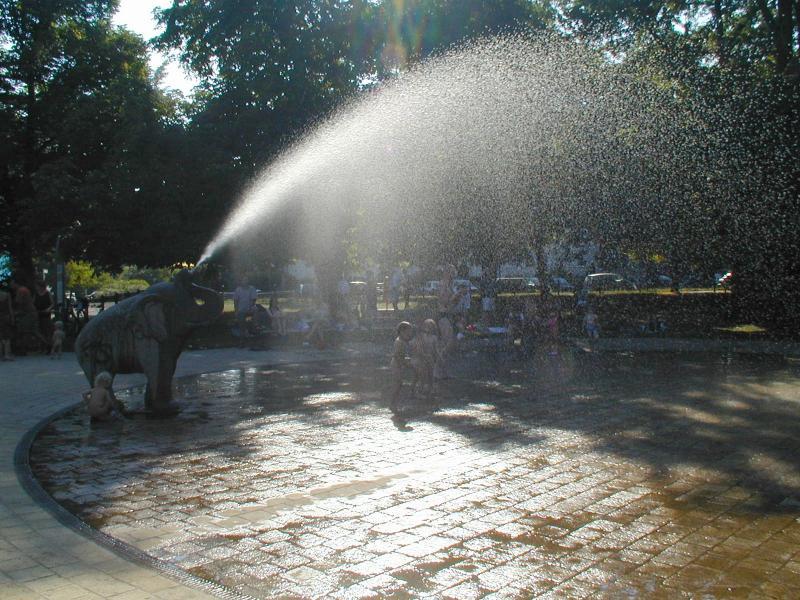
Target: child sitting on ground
[400, 363]
[100, 402]
[58, 339]
[424, 354]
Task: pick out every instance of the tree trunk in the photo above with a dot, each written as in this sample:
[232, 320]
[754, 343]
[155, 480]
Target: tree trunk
[719, 30]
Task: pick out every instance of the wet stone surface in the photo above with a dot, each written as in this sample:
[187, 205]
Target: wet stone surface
[578, 475]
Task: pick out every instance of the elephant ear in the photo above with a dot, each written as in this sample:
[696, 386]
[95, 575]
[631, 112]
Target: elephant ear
[155, 323]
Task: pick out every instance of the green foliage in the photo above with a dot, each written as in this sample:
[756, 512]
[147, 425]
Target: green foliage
[407, 32]
[78, 119]
[82, 276]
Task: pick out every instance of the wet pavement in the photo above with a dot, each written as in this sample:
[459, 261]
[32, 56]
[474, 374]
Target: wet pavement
[585, 474]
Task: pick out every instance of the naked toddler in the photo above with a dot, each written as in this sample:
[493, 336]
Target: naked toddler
[401, 363]
[58, 339]
[100, 402]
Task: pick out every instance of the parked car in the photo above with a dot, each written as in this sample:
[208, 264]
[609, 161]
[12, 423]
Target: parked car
[560, 284]
[663, 280]
[430, 288]
[513, 284]
[459, 283]
[358, 288]
[606, 282]
[723, 278]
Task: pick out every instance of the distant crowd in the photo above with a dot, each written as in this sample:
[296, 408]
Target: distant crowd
[422, 353]
[27, 318]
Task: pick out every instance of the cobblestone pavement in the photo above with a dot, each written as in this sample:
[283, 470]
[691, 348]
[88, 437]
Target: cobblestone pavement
[581, 475]
[41, 559]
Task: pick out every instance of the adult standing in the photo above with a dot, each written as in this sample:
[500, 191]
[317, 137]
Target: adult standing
[343, 313]
[244, 302]
[408, 285]
[370, 297]
[395, 284]
[447, 301]
[43, 301]
[488, 299]
[6, 324]
[25, 317]
[465, 299]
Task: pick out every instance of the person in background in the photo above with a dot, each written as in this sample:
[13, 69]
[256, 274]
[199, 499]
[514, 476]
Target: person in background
[58, 339]
[25, 315]
[400, 364]
[424, 356]
[488, 301]
[276, 316]
[344, 309]
[465, 299]
[386, 293]
[6, 325]
[407, 287]
[395, 284]
[370, 298]
[244, 301]
[316, 335]
[591, 323]
[552, 327]
[43, 301]
[446, 303]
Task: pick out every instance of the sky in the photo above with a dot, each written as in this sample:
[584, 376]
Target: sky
[137, 15]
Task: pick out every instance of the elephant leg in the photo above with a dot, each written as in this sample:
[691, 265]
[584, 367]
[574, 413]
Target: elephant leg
[165, 371]
[148, 356]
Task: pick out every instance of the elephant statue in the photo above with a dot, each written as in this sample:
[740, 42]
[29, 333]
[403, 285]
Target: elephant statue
[146, 333]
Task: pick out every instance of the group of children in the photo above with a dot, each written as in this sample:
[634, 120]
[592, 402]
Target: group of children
[415, 357]
[540, 326]
[418, 353]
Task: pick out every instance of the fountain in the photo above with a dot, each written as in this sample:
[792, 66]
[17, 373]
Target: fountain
[588, 473]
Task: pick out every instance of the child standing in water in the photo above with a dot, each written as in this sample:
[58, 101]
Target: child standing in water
[401, 363]
[424, 355]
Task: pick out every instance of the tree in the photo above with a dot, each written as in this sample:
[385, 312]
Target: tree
[407, 32]
[763, 32]
[77, 112]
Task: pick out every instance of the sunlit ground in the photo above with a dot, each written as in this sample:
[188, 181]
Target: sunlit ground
[587, 474]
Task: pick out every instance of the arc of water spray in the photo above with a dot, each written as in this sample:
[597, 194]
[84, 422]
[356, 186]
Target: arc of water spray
[510, 121]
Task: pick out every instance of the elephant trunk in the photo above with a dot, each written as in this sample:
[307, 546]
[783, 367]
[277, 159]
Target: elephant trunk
[212, 304]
